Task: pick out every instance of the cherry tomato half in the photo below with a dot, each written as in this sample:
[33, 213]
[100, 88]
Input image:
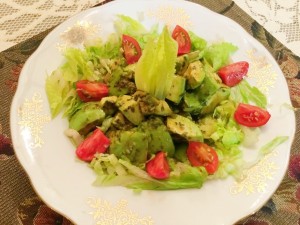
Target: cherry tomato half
[183, 39]
[97, 142]
[201, 154]
[251, 116]
[132, 49]
[91, 91]
[232, 74]
[158, 166]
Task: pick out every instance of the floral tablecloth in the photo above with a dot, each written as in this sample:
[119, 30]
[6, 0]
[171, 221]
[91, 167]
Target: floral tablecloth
[19, 203]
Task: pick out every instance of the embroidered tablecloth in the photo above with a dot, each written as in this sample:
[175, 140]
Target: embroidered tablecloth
[19, 203]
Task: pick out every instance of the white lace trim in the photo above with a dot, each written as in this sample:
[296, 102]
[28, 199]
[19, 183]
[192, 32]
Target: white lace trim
[22, 19]
[280, 17]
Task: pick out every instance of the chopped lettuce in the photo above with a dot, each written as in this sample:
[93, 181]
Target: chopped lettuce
[251, 135]
[225, 136]
[231, 162]
[92, 63]
[198, 43]
[78, 66]
[97, 50]
[265, 150]
[113, 171]
[270, 146]
[155, 70]
[57, 90]
[129, 26]
[218, 54]
[245, 93]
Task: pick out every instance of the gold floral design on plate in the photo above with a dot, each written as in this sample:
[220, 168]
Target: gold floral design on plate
[261, 71]
[105, 213]
[254, 180]
[32, 119]
[170, 15]
[79, 33]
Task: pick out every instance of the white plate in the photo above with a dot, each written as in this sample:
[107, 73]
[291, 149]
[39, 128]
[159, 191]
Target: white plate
[65, 183]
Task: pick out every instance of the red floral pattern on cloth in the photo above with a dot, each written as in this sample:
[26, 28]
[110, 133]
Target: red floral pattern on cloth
[12, 83]
[32, 211]
[294, 167]
[47, 216]
[6, 148]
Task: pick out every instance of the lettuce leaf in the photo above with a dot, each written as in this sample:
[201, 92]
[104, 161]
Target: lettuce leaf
[198, 43]
[245, 93]
[117, 172]
[77, 66]
[57, 90]
[218, 55]
[129, 26]
[265, 150]
[230, 162]
[91, 63]
[96, 49]
[270, 146]
[225, 135]
[156, 67]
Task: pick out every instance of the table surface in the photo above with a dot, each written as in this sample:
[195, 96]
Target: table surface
[23, 24]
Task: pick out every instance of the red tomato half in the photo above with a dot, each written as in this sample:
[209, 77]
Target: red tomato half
[251, 116]
[158, 167]
[91, 91]
[132, 49]
[96, 143]
[232, 74]
[183, 39]
[201, 154]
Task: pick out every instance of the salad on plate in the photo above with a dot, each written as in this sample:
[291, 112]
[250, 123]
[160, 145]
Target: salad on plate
[158, 108]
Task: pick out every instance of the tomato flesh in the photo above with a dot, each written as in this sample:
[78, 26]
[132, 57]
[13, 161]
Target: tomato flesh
[97, 142]
[251, 116]
[158, 166]
[89, 91]
[132, 49]
[183, 39]
[201, 154]
[234, 73]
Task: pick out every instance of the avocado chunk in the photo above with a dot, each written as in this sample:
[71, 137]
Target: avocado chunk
[130, 145]
[89, 113]
[121, 123]
[211, 103]
[177, 89]
[194, 74]
[210, 84]
[191, 103]
[183, 61]
[108, 104]
[159, 137]
[180, 152]
[184, 127]
[119, 83]
[149, 105]
[130, 109]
